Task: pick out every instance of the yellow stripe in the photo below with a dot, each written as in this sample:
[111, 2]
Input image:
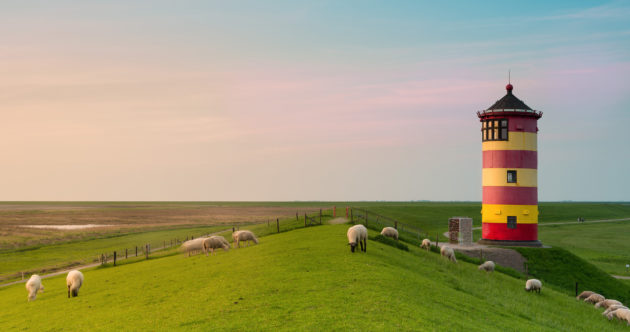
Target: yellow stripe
[498, 213]
[516, 141]
[525, 177]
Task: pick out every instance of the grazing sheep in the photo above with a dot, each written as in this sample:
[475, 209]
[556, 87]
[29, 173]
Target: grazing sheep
[448, 253]
[533, 285]
[594, 298]
[193, 245]
[606, 303]
[74, 280]
[243, 235]
[487, 266]
[390, 232]
[426, 244]
[622, 314]
[215, 242]
[34, 285]
[357, 234]
[584, 295]
[608, 312]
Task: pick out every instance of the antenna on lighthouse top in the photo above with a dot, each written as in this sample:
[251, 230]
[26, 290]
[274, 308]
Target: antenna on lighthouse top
[509, 74]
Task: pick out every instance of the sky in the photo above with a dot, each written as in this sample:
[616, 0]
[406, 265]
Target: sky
[305, 100]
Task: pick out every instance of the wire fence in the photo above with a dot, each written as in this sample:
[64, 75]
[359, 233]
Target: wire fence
[375, 221]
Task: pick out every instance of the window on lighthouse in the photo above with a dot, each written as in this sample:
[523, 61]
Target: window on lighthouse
[511, 176]
[494, 130]
[511, 222]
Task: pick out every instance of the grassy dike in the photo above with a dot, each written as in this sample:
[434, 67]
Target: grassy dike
[305, 279]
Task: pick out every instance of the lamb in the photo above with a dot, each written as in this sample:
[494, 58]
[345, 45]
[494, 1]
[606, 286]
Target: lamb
[215, 242]
[357, 234]
[594, 298]
[608, 312]
[243, 235]
[74, 280]
[533, 285]
[487, 266]
[606, 303]
[34, 285]
[426, 244]
[448, 253]
[390, 232]
[193, 245]
[584, 295]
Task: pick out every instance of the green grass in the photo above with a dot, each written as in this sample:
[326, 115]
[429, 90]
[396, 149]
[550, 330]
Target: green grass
[390, 242]
[40, 259]
[306, 279]
[432, 217]
[606, 245]
[561, 269]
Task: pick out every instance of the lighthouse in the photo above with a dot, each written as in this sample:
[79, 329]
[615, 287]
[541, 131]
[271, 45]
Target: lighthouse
[509, 207]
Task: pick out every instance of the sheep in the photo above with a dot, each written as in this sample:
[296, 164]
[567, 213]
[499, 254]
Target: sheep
[426, 244]
[622, 314]
[193, 245]
[608, 312]
[74, 280]
[594, 298]
[357, 234]
[584, 295]
[243, 235]
[606, 303]
[533, 285]
[487, 266]
[448, 253]
[215, 242]
[34, 285]
[390, 232]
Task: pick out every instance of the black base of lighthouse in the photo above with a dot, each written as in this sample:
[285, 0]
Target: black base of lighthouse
[504, 243]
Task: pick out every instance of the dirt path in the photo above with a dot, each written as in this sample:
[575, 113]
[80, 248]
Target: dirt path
[339, 220]
[93, 264]
[621, 277]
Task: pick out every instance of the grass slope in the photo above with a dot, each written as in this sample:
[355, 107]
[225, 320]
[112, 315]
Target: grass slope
[306, 279]
[605, 245]
[562, 269]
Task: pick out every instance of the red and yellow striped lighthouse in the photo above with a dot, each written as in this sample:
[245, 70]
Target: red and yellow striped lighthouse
[509, 212]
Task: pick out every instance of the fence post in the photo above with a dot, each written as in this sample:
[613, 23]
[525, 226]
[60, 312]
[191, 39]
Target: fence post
[278, 224]
[114, 258]
[351, 217]
[125, 253]
[396, 224]
[320, 216]
[22, 275]
[480, 255]
[437, 240]
[267, 222]
[296, 216]
[146, 251]
[136, 251]
[305, 220]
[366, 218]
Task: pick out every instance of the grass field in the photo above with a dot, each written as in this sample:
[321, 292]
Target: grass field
[606, 245]
[305, 279]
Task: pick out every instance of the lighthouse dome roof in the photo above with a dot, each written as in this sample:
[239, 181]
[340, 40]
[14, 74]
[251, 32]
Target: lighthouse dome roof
[509, 101]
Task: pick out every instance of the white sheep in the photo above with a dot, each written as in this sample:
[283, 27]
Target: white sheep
[533, 285]
[594, 298]
[390, 232]
[426, 244]
[193, 245]
[622, 314]
[606, 303]
[74, 280]
[215, 242]
[608, 312]
[448, 253]
[243, 235]
[584, 295]
[34, 285]
[487, 266]
[357, 234]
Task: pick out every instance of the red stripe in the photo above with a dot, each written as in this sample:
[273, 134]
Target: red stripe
[517, 123]
[522, 232]
[510, 195]
[510, 159]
